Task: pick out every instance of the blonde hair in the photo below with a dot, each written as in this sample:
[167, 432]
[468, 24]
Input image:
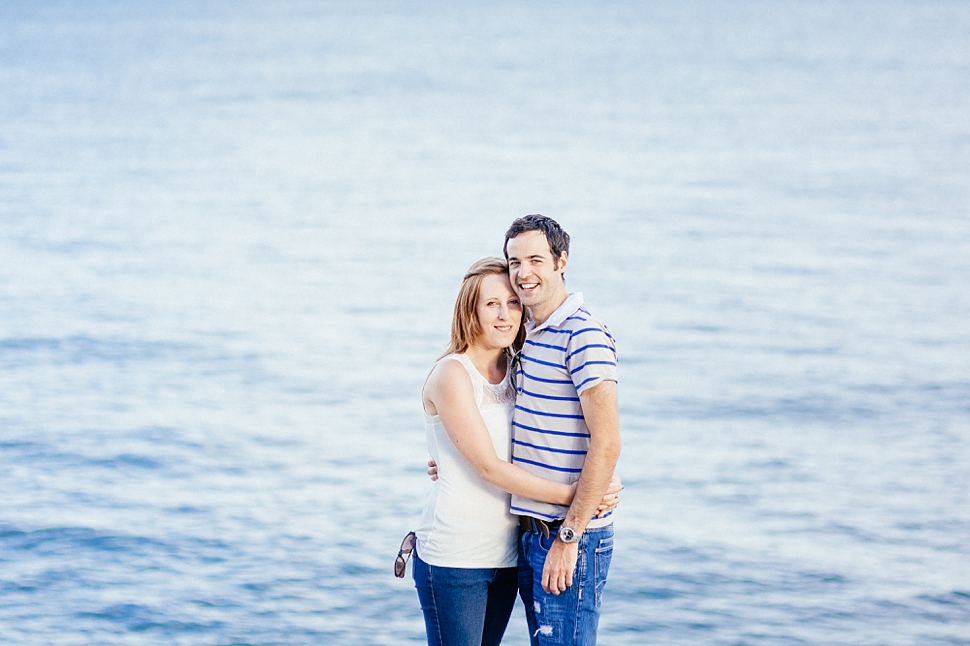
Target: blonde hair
[465, 327]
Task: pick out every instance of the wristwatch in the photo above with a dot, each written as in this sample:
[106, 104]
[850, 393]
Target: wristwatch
[568, 535]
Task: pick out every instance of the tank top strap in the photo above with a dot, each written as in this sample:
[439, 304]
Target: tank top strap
[488, 394]
[478, 381]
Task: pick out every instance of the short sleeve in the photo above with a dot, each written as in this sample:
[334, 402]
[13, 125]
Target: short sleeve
[591, 355]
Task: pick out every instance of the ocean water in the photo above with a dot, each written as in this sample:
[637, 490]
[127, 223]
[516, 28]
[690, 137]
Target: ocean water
[230, 239]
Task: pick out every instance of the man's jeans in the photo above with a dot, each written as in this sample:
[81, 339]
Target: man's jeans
[464, 606]
[571, 617]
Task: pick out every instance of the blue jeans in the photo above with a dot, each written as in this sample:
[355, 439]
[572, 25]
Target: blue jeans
[464, 606]
[570, 618]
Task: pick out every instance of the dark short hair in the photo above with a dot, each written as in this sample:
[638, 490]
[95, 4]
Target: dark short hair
[557, 238]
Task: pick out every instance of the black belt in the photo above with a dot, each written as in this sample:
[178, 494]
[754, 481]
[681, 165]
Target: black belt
[547, 527]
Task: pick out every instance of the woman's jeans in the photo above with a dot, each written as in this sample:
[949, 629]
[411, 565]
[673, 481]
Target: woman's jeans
[570, 618]
[464, 606]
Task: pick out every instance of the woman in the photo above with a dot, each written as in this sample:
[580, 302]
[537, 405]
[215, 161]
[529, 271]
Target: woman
[465, 558]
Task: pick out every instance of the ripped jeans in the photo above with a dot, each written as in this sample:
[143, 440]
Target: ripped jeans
[570, 618]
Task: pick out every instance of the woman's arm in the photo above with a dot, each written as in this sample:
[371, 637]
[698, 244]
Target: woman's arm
[609, 502]
[449, 388]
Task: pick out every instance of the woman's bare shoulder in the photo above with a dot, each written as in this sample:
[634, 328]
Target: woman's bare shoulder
[448, 375]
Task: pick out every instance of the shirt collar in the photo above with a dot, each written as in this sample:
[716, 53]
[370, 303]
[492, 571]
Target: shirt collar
[569, 307]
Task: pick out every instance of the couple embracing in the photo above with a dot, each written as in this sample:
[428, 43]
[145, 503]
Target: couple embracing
[523, 403]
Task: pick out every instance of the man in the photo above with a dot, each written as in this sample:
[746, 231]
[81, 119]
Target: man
[566, 428]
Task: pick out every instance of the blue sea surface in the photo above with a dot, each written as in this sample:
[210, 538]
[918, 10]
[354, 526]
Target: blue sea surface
[231, 234]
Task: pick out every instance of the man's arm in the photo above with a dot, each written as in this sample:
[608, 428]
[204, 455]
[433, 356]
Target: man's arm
[601, 410]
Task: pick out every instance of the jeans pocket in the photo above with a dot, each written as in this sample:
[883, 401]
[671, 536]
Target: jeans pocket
[601, 562]
[545, 544]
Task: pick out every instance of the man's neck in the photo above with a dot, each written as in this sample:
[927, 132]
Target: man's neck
[541, 314]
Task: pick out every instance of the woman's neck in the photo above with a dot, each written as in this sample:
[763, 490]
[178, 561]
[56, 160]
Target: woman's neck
[490, 362]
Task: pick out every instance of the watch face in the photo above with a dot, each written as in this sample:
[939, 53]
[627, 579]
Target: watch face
[567, 535]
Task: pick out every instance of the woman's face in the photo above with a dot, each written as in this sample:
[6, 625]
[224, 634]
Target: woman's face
[499, 312]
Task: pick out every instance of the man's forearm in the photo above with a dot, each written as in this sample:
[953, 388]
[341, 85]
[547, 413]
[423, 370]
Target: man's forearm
[602, 418]
[592, 485]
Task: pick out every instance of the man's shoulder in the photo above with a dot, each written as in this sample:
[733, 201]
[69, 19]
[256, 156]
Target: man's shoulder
[591, 356]
[582, 321]
[583, 315]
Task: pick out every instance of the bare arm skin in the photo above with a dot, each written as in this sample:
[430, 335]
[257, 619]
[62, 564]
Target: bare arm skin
[610, 501]
[449, 391]
[601, 410]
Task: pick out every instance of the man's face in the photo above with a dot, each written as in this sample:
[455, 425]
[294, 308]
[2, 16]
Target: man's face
[535, 275]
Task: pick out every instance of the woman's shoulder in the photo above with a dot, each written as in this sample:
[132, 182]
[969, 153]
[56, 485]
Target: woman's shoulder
[450, 362]
[449, 369]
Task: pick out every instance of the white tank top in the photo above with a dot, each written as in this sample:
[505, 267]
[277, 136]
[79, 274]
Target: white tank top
[466, 521]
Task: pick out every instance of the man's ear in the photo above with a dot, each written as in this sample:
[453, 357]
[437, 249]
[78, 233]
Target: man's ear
[563, 261]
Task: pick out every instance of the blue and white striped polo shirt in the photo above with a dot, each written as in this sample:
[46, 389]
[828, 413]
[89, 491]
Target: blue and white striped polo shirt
[569, 353]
